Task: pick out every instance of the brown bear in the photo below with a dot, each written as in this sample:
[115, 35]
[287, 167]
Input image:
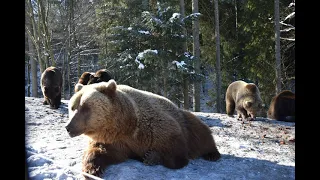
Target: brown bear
[100, 76]
[282, 107]
[123, 122]
[83, 80]
[51, 86]
[245, 99]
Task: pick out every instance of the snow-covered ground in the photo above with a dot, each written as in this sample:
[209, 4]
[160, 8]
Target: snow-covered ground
[261, 149]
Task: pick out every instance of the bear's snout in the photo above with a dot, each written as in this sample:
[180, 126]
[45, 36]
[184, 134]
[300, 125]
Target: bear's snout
[69, 130]
[72, 131]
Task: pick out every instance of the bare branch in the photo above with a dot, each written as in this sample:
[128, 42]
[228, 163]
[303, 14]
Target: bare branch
[288, 39]
[31, 37]
[282, 23]
[287, 29]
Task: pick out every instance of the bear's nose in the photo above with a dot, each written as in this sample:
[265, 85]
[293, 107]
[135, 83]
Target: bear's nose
[67, 128]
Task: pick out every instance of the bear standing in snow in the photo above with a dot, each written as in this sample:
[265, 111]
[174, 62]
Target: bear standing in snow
[123, 122]
[245, 99]
[51, 86]
[282, 106]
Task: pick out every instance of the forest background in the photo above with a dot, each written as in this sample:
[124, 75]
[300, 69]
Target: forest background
[171, 47]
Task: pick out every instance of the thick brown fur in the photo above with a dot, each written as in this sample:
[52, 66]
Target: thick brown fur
[282, 107]
[102, 75]
[83, 80]
[51, 86]
[123, 122]
[245, 99]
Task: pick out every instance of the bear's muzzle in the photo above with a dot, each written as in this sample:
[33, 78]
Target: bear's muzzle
[72, 131]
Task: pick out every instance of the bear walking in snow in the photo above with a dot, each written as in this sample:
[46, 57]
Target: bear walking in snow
[51, 86]
[245, 99]
[123, 122]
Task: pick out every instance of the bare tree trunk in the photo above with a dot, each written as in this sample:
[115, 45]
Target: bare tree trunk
[28, 67]
[45, 32]
[196, 54]
[79, 65]
[68, 65]
[34, 79]
[70, 28]
[63, 72]
[185, 80]
[218, 69]
[28, 78]
[236, 20]
[277, 46]
[33, 33]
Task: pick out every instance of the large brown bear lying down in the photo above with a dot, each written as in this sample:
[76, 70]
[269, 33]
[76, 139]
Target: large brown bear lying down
[245, 99]
[123, 122]
[282, 107]
[51, 86]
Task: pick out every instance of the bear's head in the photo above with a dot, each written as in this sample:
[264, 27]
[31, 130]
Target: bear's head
[254, 106]
[100, 76]
[85, 77]
[97, 111]
[253, 102]
[52, 92]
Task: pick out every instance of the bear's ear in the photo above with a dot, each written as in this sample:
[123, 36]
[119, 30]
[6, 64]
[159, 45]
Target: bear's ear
[252, 87]
[108, 88]
[75, 100]
[79, 86]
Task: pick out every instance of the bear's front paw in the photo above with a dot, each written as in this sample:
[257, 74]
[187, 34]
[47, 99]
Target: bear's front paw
[151, 158]
[92, 169]
[93, 162]
[250, 118]
[213, 156]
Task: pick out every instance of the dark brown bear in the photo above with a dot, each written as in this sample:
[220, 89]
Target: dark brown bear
[245, 99]
[123, 122]
[100, 76]
[282, 107]
[83, 80]
[51, 85]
